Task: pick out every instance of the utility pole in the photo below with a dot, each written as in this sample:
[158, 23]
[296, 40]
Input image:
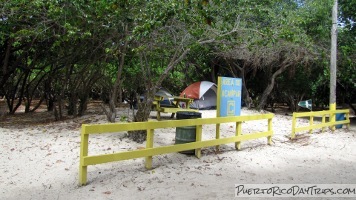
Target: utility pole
[333, 63]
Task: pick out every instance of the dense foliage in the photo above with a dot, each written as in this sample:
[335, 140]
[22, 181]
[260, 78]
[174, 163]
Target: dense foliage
[66, 52]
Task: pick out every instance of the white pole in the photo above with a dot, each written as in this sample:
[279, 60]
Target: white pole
[333, 62]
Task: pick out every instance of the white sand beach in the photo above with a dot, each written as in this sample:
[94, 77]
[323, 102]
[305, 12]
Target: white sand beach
[41, 161]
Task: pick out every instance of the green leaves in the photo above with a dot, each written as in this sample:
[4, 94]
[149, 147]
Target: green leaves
[261, 33]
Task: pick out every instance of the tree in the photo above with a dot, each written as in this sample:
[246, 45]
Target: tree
[346, 76]
[271, 40]
[165, 35]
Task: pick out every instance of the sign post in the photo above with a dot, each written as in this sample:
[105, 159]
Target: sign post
[228, 100]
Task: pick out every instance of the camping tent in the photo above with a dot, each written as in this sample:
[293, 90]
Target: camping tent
[167, 96]
[163, 92]
[203, 93]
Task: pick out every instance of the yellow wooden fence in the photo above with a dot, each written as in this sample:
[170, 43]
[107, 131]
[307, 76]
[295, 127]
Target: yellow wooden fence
[323, 124]
[150, 126]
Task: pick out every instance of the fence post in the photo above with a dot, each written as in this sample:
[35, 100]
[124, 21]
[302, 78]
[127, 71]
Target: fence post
[269, 138]
[332, 115]
[293, 126]
[348, 118]
[311, 121]
[323, 122]
[198, 137]
[83, 170]
[217, 136]
[149, 144]
[238, 133]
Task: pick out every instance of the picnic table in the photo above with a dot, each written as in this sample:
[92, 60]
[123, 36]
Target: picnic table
[174, 107]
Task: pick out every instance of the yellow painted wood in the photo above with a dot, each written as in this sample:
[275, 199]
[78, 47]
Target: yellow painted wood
[124, 127]
[332, 107]
[99, 159]
[174, 110]
[158, 98]
[316, 126]
[293, 125]
[323, 124]
[218, 111]
[348, 118]
[176, 107]
[158, 115]
[156, 104]
[198, 138]
[84, 140]
[218, 98]
[188, 101]
[320, 113]
[311, 121]
[238, 133]
[86, 160]
[269, 138]
[308, 114]
[217, 136]
[149, 144]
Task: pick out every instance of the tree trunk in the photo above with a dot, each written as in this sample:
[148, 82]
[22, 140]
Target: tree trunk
[58, 107]
[270, 86]
[293, 101]
[3, 111]
[28, 101]
[352, 107]
[72, 104]
[144, 108]
[38, 104]
[111, 113]
[50, 104]
[83, 105]
[245, 94]
[120, 96]
[142, 115]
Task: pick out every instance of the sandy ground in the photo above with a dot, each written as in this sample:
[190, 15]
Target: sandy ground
[41, 161]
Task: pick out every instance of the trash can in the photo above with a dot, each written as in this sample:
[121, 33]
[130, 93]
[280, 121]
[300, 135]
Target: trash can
[186, 134]
[339, 117]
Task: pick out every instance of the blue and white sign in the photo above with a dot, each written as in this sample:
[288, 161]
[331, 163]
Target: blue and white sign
[229, 96]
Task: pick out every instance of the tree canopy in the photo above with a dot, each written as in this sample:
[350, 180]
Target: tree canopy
[66, 52]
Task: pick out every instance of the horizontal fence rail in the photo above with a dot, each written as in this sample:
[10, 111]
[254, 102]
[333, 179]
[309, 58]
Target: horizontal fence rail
[150, 126]
[323, 124]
